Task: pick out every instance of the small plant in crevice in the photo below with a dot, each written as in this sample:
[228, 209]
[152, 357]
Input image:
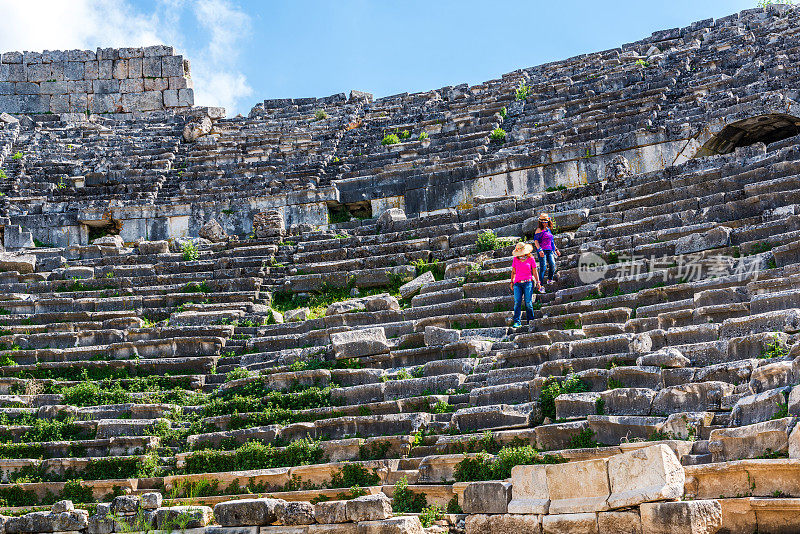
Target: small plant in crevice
[390, 139]
[189, 251]
[320, 114]
[423, 136]
[522, 91]
[498, 135]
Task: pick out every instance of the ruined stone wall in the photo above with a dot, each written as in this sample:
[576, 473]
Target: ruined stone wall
[109, 80]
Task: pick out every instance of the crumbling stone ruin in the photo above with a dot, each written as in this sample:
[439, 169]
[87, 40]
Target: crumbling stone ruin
[298, 322]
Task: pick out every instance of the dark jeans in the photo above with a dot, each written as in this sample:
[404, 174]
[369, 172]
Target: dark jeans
[547, 263]
[523, 290]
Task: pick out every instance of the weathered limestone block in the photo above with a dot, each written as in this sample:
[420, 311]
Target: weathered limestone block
[151, 500]
[213, 231]
[714, 238]
[627, 522]
[507, 523]
[684, 425]
[109, 241]
[196, 129]
[295, 513]
[529, 490]
[48, 522]
[628, 401]
[331, 512]
[22, 263]
[435, 336]
[397, 525]
[648, 474]
[667, 357]
[757, 408]
[579, 523]
[244, 512]
[346, 528]
[357, 343]
[153, 247]
[125, 504]
[569, 497]
[683, 517]
[482, 417]
[487, 498]
[572, 405]
[62, 506]
[409, 289]
[369, 508]
[726, 444]
[387, 219]
[381, 302]
[695, 397]
[269, 223]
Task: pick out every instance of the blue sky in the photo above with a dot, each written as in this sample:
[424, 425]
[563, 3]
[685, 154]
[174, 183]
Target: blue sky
[315, 48]
[244, 51]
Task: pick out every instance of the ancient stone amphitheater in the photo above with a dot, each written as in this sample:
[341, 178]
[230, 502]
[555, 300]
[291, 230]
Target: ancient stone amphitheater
[298, 322]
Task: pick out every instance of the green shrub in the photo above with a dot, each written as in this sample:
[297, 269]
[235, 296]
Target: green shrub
[423, 136]
[498, 135]
[390, 139]
[484, 467]
[255, 455]
[17, 156]
[522, 91]
[641, 63]
[552, 388]
[91, 394]
[236, 374]
[474, 469]
[405, 134]
[504, 112]
[320, 114]
[405, 501]
[429, 515]
[453, 507]
[583, 440]
[354, 475]
[487, 240]
[436, 267]
[75, 491]
[189, 251]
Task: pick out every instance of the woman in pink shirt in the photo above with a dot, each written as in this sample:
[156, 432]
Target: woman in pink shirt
[523, 276]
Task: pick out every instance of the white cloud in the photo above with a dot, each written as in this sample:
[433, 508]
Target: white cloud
[88, 24]
[215, 80]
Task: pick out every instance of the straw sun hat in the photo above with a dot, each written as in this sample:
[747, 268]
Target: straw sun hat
[522, 249]
[544, 217]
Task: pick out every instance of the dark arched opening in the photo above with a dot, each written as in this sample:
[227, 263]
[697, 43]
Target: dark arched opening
[762, 129]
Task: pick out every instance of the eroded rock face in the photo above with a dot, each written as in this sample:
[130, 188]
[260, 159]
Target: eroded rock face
[618, 169]
[684, 517]
[269, 223]
[369, 508]
[213, 231]
[196, 129]
[295, 513]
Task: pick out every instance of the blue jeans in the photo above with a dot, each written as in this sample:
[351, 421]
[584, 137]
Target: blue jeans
[548, 263]
[523, 289]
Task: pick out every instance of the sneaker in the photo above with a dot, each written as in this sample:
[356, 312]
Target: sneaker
[516, 325]
[550, 282]
[541, 290]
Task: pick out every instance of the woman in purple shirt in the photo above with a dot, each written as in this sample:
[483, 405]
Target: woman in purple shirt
[547, 249]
